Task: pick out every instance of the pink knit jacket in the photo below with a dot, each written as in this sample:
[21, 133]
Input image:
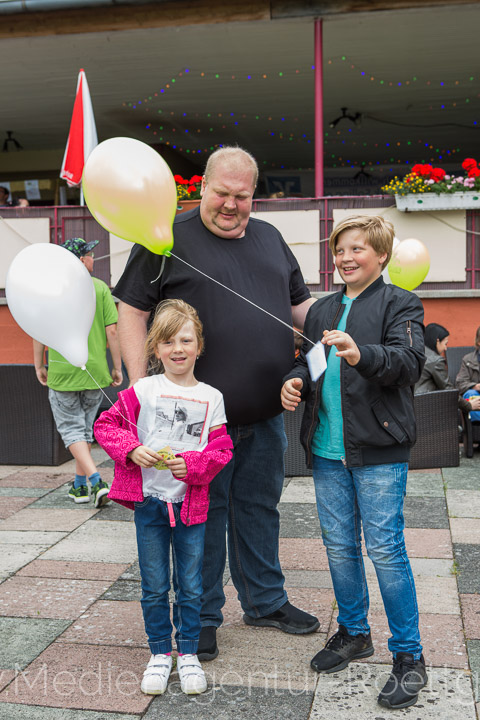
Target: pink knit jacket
[116, 432]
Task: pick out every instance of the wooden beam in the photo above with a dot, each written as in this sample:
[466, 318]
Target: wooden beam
[128, 17]
[281, 9]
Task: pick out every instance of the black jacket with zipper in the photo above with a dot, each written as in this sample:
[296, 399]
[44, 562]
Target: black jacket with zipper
[386, 323]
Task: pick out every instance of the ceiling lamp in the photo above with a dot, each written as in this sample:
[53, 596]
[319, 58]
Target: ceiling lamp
[345, 116]
[10, 139]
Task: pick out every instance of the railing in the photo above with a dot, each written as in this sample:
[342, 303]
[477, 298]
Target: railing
[75, 221]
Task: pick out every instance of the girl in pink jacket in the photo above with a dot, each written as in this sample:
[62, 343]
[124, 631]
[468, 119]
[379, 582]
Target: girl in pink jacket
[164, 476]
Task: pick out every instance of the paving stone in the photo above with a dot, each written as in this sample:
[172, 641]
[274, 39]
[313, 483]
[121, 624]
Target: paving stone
[48, 597]
[11, 505]
[109, 463]
[47, 519]
[465, 530]
[434, 629]
[114, 511]
[109, 623]
[231, 702]
[353, 693]
[83, 677]
[104, 541]
[302, 554]
[427, 567]
[308, 578]
[463, 477]
[434, 595]
[299, 490]
[463, 503]
[6, 470]
[427, 543]
[470, 605]
[32, 479]
[42, 537]
[15, 556]
[73, 570]
[9, 711]
[6, 676]
[23, 639]
[473, 649]
[23, 492]
[425, 484]
[299, 520]
[132, 572]
[59, 498]
[128, 590]
[425, 512]
[467, 558]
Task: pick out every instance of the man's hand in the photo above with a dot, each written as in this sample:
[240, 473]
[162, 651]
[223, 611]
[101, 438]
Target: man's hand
[345, 344]
[290, 394]
[144, 456]
[177, 467]
[42, 374]
[476, 387]
[117, 377]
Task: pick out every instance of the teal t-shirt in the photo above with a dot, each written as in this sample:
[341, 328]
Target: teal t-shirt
[327, 440]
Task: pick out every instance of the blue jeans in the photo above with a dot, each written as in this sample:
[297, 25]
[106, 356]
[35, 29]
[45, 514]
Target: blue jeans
[154, 537]
[243, 502]
[372, 497]
[474, 414]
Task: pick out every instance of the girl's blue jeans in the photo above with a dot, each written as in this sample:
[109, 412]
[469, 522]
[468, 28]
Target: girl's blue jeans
[370, 497]
[155, 536]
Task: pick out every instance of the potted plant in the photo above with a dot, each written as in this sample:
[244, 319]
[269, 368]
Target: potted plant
[188, 192]
[431, 188]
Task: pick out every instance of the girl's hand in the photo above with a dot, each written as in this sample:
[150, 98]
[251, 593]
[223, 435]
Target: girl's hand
[177, 466]
[345, 344]
[144, 456]
[291, 395]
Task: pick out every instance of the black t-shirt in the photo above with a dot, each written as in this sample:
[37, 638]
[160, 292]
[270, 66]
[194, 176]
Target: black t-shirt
[247, 353]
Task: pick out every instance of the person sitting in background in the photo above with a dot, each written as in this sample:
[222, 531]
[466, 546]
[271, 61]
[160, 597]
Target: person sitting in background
[468, 378]
[435, 372]
[14, 202]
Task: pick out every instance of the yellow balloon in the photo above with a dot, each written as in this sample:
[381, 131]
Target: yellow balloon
[409, 264]
[130, 191]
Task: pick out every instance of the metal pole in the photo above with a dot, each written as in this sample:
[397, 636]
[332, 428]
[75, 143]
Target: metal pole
[318, 51]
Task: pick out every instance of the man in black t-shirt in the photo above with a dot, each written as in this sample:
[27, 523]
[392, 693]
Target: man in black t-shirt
[247, 353]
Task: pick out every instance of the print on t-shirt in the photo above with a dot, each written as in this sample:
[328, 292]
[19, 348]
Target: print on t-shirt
[180, 420]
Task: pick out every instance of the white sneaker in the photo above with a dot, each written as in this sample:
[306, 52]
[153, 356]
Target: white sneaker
[192, 677]
[155, 677]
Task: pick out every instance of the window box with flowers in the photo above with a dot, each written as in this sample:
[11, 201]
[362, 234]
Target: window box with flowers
[430, 188]
[188, 192]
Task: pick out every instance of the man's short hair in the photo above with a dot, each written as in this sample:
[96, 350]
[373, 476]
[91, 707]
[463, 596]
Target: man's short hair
[234, 157]
[378, 233]
[5, 190]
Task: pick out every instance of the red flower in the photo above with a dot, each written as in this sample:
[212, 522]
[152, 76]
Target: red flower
[179, 179]
[468, 164]
[422, 170]
[417, 169]
[196, 179]
[474, 172]
[191, 188]
[437, 174]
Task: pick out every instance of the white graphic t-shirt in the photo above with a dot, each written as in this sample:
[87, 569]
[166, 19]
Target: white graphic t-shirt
[178, 417]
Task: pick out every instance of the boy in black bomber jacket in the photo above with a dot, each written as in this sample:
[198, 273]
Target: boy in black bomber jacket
[357, 431]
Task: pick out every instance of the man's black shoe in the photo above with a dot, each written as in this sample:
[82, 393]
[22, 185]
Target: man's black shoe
[207, 643]
[287, 618]
[340, 650]
[407, 678]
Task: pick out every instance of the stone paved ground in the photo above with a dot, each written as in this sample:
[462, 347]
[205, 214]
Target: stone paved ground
[73, 645]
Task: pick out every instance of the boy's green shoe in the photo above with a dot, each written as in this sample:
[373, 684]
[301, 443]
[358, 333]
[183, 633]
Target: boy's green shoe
[100, 492]
[79, 494]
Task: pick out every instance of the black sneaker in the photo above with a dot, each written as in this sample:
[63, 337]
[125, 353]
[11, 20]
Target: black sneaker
[207, 643]
[340, 650]
[287, 618]
[407, 678]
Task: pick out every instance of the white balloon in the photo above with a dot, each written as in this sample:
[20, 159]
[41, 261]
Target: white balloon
[52, 297]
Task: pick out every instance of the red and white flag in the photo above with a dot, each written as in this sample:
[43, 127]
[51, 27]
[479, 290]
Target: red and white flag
[82, 137]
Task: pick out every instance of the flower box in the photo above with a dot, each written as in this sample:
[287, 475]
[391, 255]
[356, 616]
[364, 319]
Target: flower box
[414, 202]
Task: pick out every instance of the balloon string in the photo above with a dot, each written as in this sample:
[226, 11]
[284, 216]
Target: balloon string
[242, 297]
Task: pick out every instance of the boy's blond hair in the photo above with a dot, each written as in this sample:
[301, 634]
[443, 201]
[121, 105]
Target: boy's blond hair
[378, 233]
[170, 316]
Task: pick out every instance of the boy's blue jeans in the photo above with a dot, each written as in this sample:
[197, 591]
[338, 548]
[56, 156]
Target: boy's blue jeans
[154, 538]
[372, 497]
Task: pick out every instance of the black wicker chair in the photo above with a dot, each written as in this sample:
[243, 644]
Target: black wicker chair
[436, 414]
[471, 431]
[28, 435]
[437, 434]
